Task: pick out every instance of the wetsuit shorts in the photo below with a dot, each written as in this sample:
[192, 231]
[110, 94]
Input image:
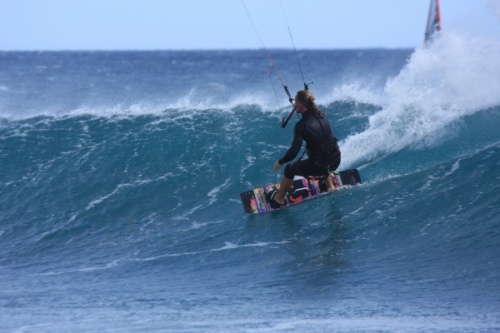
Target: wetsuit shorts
[309, 168]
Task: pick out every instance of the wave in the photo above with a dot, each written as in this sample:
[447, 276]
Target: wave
[184, 162]
[422, 105]
[120, 175]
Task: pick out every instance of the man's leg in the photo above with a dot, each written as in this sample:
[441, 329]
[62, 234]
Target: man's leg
[329, 183]
[285, 185]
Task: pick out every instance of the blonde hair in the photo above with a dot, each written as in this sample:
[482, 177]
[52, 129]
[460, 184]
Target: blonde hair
[306, 98]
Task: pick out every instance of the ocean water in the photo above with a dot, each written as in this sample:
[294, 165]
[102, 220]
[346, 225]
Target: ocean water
[120, 175]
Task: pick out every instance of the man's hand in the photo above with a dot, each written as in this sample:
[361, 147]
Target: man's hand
[277, 166]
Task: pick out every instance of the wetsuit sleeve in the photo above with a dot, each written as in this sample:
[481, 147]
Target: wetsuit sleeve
[294, 148]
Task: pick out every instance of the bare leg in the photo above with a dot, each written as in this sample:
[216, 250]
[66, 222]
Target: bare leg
[285, 185]
[329, 183]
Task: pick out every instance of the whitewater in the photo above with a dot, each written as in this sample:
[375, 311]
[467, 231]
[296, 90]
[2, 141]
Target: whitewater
[120, 175]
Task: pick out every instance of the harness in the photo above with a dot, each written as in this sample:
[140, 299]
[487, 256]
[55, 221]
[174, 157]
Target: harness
[327, 147]
[330, 145]
[323, 150]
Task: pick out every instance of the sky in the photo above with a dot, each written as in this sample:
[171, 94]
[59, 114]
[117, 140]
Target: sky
[224, 24]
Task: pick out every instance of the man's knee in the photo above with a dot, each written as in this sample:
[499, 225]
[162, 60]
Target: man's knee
[290, 171]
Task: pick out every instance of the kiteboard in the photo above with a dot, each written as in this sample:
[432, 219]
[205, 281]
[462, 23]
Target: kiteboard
[255, 202]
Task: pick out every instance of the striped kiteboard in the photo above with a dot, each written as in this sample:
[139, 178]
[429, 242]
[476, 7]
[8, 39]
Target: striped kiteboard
[254, 201]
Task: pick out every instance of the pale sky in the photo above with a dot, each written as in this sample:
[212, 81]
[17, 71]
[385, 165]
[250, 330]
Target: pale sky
[224, 24]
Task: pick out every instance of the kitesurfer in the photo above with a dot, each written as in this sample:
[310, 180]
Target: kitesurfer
[321, 147]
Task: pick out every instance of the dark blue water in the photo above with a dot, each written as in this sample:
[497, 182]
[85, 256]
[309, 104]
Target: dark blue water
[120, 175]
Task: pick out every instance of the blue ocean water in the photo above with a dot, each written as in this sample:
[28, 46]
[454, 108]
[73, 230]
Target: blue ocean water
[120, 175]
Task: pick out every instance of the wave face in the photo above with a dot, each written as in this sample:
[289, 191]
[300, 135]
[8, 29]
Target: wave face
[120, 175]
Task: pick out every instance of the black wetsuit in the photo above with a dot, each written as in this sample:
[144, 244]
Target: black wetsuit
[321, 145]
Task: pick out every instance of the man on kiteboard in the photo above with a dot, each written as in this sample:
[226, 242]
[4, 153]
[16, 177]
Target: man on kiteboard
[321, 147]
